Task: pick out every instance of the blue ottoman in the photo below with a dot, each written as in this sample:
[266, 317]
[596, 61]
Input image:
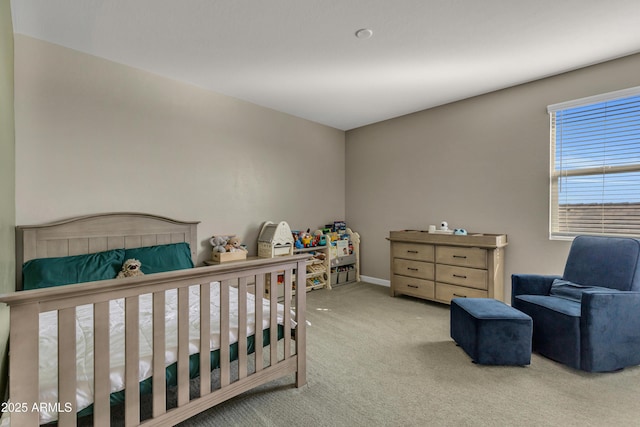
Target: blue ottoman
[491, 332]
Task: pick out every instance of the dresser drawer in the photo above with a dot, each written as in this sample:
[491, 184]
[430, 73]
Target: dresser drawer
[465, 257]
[414, 287]
[446, 293]
[419, 269]
[470, 277]
[415, 251]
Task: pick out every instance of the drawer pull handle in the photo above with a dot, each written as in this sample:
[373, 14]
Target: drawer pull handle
[459, 296]
[460, 256]
[459, 276]
[413, 286]
[412, 252]
[412, 269]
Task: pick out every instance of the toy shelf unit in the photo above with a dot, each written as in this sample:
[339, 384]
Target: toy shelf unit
[333, 261]
[345, 260]
[343, 270]
[318, 269]
[276, 239]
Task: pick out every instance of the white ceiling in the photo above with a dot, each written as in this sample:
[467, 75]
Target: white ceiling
[302, 57]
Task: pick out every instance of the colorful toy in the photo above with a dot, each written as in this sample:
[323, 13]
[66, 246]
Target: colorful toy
[306, 239]
[322, 241]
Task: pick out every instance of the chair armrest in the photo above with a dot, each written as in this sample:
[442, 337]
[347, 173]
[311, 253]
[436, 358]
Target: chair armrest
[610, 330]
[531, 284]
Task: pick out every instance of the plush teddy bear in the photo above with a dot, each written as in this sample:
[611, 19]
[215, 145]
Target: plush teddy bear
[235, 244]
[218, 243]
[130, 268]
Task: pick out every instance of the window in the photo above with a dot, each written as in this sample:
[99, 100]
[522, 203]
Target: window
[595, 165]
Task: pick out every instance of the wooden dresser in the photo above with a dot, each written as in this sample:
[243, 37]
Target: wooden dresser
[440, 267]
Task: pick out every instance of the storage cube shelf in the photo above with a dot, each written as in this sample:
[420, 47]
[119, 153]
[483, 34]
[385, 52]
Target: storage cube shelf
[343, 270]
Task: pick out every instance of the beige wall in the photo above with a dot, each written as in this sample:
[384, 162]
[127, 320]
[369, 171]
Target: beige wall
[96, 136]
[7, 179]
[480, 164]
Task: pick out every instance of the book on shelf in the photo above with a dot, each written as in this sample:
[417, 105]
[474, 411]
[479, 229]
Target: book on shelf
[342, 247]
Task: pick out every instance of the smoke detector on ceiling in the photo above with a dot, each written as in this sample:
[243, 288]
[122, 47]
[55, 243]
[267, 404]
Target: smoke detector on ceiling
[364, 33]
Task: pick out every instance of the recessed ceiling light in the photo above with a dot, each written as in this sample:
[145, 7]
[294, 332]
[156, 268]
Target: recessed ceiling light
[364, 33]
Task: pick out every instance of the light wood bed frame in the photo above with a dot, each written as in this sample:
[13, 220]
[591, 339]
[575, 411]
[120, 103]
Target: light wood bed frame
[95, 233]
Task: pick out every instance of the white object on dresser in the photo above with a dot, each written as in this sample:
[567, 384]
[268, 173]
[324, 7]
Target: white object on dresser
[440, 267]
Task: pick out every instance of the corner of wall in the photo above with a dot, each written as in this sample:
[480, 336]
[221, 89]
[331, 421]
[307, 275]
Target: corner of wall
[7, 181]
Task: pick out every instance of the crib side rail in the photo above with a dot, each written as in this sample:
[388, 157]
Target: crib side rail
[24, 331]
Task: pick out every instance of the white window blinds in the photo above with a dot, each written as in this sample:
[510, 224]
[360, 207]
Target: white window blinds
[595, 165]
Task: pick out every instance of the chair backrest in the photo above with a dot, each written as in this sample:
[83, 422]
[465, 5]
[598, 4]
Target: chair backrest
[611, 262]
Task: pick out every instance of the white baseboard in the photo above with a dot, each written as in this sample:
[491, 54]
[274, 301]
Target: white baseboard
[376, 281]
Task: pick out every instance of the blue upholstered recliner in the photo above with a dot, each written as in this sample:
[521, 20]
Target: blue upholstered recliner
[589, 318]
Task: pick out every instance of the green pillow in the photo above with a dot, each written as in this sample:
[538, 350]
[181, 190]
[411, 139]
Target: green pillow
[47, 272]
[156, 259]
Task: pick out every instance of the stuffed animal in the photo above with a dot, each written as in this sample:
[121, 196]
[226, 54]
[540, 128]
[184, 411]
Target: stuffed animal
[235, 244]
[218, 243]
[130, 268]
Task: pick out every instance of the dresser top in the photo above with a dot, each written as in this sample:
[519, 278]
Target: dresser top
[482, 240]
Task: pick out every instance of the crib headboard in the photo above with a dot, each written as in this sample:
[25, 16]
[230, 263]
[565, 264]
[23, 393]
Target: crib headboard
[100, 232]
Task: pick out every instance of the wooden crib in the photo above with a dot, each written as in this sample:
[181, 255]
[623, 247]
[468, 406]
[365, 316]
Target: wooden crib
[94, 233]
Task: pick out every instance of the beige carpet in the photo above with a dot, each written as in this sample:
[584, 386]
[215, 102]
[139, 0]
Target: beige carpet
[374, 360]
